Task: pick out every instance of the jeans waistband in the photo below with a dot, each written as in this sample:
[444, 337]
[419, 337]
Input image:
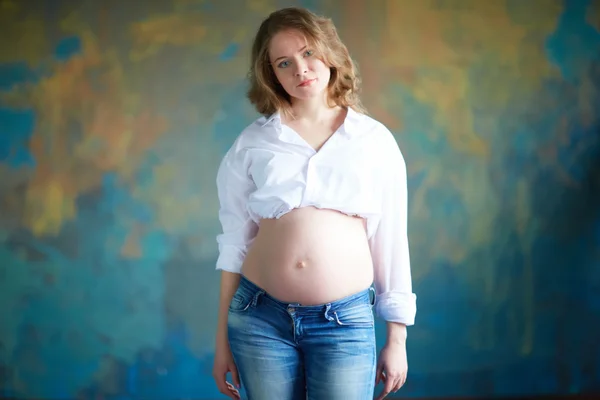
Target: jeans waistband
[251, 290]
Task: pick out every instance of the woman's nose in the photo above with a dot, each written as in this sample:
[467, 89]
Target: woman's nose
[301, 68]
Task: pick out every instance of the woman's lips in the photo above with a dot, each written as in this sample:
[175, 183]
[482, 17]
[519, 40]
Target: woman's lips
[306, 82]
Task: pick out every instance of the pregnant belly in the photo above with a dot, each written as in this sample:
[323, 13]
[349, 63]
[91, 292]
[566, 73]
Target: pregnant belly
[310, 256]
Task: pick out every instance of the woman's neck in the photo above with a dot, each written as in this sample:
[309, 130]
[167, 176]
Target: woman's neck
[314, 110]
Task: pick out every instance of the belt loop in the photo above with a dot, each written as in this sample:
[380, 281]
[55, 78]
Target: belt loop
[256, 296]
[327, 316]
[374, 295]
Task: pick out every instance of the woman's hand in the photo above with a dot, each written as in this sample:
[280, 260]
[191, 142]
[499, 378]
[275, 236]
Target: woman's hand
[223, 364]
[392, 367]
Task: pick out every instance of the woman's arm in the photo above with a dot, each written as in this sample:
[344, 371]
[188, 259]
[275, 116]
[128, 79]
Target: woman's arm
[395, 300]
[238, 230]
[229, 284]
[234, 185]
[396, 332]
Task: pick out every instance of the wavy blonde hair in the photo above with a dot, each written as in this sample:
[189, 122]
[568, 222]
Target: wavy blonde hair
[265, 92]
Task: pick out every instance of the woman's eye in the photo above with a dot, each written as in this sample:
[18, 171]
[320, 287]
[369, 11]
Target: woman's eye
[284, 64]
[308, 53]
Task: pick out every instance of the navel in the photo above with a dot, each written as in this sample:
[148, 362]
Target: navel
[301, 264]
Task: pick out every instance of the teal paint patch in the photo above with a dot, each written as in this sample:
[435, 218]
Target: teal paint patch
[230, 52]
[67, 48]
[575, 44]
[16, 128]
[15, 73]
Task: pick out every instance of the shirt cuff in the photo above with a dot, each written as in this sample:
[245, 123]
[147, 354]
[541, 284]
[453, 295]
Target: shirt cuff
[394, 306]
[230, 259]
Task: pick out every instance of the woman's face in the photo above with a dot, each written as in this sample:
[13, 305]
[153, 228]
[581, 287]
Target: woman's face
[298, 69]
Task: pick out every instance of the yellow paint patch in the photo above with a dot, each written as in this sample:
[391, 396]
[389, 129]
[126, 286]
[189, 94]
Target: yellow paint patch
[88, 122]
[593, 15]
[174, 209]
[437, 43]
[8, 6]
[22, 35]
[185, 5]
[48, 207]
[153, 34]
[261, 6]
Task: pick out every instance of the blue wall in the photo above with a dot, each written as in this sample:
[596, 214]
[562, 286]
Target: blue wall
[112, 124]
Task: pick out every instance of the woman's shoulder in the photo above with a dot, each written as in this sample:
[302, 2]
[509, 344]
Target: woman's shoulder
[255, 130]
[251, 136]
[373, 127]
[384, 141]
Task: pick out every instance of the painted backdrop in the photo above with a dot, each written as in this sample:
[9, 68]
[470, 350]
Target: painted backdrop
[113, 119]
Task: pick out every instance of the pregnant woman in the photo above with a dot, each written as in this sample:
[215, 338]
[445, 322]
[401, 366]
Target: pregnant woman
[313, 208]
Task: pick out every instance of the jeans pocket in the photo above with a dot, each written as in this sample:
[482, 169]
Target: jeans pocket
[240, 302]
[357, 316]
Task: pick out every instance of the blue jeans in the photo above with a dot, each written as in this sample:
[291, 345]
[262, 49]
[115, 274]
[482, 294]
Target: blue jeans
[288, 351]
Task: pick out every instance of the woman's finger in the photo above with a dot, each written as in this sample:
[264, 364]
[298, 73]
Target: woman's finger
[399, 383]
[379, 375]
[233, 391]
[389, 384]
[235, 376]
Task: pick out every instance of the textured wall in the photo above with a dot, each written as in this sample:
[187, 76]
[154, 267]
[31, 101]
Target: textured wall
[113, 119]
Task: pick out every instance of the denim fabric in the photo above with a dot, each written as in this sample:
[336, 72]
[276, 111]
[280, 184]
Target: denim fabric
[292, 352]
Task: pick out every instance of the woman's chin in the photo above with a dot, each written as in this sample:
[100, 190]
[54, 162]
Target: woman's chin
[306, 94]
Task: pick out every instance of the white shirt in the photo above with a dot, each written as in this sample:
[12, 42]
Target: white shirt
[270, 170]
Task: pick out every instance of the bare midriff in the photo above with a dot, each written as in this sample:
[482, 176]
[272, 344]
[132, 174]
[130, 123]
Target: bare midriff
[310, 256]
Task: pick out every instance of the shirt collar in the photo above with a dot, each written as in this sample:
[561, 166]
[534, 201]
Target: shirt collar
[351, 122]
[267, 120]
[348, 127]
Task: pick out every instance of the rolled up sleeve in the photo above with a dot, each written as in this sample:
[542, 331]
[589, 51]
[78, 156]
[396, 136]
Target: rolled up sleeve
[238, 229]
[395, 300]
